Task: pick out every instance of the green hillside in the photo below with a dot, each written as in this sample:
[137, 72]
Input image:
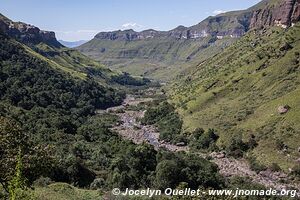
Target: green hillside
[50, 133]
[239, 91]
[76, 64]
[153, 58]
[43, 45]
[75, 124]
[163, 54]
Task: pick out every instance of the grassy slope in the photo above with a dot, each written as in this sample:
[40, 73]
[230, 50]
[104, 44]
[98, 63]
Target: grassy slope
[239, 91]
[76, 64]
[163, 58]
[66, 59]
[72, 61]
[62, 191]
[155, 58]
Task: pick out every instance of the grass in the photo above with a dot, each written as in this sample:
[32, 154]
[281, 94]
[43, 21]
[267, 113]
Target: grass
[63, 191]
[239, 90]
[158, 58]
[57, 191]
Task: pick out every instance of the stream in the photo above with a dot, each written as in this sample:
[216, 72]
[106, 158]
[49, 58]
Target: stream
[130, 128]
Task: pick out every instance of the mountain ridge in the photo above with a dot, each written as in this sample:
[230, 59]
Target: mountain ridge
[27, 33]
[163, 54]
[280, 14]
[44, 45]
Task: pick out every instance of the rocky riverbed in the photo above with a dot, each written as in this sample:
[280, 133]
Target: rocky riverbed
[130, 128]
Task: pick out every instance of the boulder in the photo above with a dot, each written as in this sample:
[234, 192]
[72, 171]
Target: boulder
[218, 155]
[180, 144]
[283, 109]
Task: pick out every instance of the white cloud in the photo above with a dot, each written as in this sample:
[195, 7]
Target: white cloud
[131, 25]
[217, 12]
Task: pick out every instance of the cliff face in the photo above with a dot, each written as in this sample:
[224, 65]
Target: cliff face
[235, 24]
[129, 35]
[27, 33]
[283, 14]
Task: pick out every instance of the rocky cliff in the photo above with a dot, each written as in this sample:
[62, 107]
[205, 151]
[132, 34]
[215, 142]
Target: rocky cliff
[284, 14]
[234, 24]
[27, 33]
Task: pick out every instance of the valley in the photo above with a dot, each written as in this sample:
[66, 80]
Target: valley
[214, 105]
[129, 127]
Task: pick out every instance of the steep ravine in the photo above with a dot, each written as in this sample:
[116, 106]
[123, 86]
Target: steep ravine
[130, 128]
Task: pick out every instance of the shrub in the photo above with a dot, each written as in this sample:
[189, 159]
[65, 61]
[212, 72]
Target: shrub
[296, 171]
[204, 140]
[97, 183]
[167, 120]
[126, 79]
[255, 165]
[173, 169]
[42, 182]
[275, 167]
[237, 147]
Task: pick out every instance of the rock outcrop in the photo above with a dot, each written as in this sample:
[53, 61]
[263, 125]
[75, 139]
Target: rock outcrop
[283, 109]
[234, 24]
[27, 33]
[284, 14]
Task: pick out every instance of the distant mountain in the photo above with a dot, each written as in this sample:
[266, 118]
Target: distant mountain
[27, 33]
[72, 44]
[45, 45]
[153, 52]
[232, 24]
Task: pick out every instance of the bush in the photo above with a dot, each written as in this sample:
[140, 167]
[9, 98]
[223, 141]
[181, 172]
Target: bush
[237, 147]
[204, 140]
[42, 182]
[164, 116]
[167, 174]
[296, 171]
[126, 79]
[25, 195]
[244, 183]
[280, 145]
[255, 165]
[97, 183]
[275, 167]
[173, 169]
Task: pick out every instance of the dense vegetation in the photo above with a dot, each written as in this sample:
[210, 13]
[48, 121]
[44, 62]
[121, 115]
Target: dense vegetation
[49, 132]
[142, 167]
[52, 107]
[201, 140]
[126, 79]
[164, 116]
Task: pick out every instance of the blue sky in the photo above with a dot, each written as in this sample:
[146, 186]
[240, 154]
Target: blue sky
[81, 19]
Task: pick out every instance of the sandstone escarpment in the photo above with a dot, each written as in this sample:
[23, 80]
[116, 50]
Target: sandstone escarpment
[283, 14]
[234, 24]
[27, 33]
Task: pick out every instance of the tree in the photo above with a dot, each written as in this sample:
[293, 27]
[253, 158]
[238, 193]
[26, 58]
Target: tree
[19, 156]
[166, 173]
[18, 181]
